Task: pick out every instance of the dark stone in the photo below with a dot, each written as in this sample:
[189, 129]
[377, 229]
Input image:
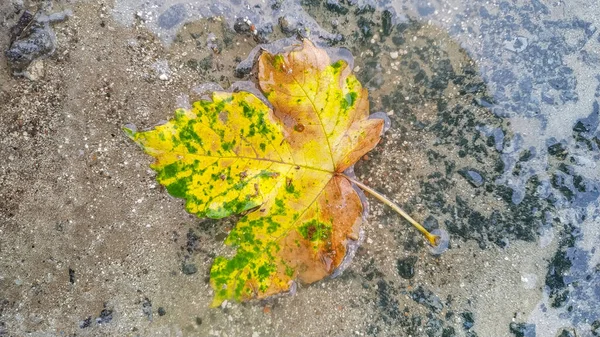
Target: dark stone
[472, 176]
[86, 323]
[262, 32]
[364, 25]
[596, 327]
[522, 329]
[366, 9]
[560, 265]
[172, 16]
[35, 41]
[284, 25]
[386, 23]
[206, 63]
[433, 327]
[198, 321]
[189, 268]
[558, 150]
[192, 242]
[527, 154]
[448, 332]
[591, 122]
[241, 26]
[406, 267]
[468, 320]
[567, 333]
[24, 21]
[427, 298]
[71, 276]
[106, 315]
[580, 127]
[147, 308]
[421, 77]
[161, 311]
[336, 7]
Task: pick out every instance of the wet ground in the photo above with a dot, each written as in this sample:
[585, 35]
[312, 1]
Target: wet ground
[495, 138]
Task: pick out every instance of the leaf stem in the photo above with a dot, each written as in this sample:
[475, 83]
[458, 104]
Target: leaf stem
[433, 239]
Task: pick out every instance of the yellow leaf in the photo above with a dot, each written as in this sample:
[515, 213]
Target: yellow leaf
[234, 154]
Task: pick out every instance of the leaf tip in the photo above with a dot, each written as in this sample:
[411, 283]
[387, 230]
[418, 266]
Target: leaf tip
[216, 302]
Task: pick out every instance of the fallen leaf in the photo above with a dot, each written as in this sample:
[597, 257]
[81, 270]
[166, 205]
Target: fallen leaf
[282, 168]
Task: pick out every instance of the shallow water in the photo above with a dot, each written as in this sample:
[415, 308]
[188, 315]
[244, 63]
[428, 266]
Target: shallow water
[495, 138]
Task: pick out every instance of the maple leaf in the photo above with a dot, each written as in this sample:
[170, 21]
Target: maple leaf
[282, 168]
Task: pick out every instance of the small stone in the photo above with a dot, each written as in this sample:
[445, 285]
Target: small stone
[86, 323]
[387, 22]
[189, 269]
[336, 7]
[566, 333]
[473, 177]
[448, 332]
[105, 316]
[468, 320]
[558, 150]
[32, 40]
[241, 25]
[394, 55]
[161, 311]
[163, 77]
[406, 267]
[71, 276]
[147, 308]
[285, 25]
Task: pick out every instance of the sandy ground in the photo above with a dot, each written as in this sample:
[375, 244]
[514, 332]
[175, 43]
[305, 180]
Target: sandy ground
[91, 245]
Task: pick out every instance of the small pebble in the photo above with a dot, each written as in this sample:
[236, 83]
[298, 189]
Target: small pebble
[189, 269]
[394, 55]
[473, 177]
[406, 267]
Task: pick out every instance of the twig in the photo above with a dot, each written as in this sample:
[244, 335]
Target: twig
[433, 239]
